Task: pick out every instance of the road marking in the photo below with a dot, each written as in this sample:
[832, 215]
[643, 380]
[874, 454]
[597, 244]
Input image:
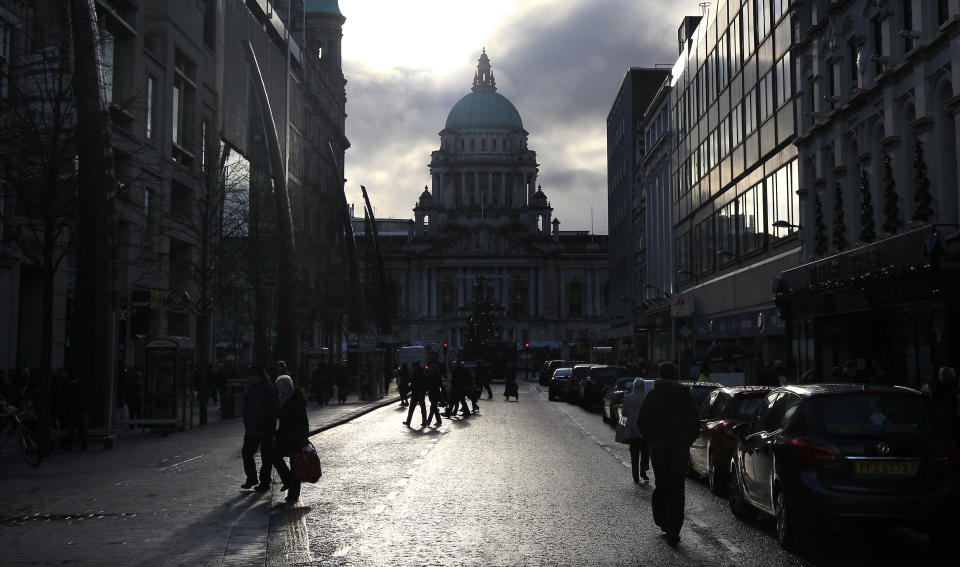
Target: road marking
[424, 453]
[411, 471]
[418, 461]
[391, 496]
[402, 482]
[380, 508]
[181, 462]
[726, 543]
[342, 550]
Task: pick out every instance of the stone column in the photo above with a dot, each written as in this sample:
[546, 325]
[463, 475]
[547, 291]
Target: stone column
[531, 299]
[503, 188]
[433, 292]
[424, 285]
[539, 272]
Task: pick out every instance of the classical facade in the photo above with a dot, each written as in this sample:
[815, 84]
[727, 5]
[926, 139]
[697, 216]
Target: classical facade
[877, 140]
[487, 222]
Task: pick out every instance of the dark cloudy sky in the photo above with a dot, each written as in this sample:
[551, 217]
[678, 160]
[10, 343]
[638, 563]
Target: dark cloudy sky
[560, 62]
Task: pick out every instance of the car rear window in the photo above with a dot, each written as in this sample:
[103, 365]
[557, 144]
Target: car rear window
[744, 408]
[561, 372]
[625, 384]
[867, 415]
[700, 394]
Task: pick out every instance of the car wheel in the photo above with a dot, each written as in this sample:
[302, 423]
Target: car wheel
[738, 505]
[603, 416]
[788, 523]
[713, 476]
[550, 396]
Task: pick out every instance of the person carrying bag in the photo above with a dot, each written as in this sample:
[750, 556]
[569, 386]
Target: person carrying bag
[628, 432]
[306, 464]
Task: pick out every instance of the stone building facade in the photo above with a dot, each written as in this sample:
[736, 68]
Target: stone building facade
[486, 220]
[877, 140]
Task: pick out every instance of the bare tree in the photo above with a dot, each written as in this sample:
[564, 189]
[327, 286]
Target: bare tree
[39, 176]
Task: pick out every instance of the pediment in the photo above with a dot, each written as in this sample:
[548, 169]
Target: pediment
[481, 241]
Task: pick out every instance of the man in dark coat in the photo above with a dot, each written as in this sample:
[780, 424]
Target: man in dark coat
[418, 394]
[669, 421]
[259, 423]
[459, 383]
[435, 390]
[292, 432]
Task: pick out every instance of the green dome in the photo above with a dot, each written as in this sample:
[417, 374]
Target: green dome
[322, 7]
[484, 110]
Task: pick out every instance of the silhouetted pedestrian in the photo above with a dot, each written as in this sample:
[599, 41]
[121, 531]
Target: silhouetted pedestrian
[417, 394]
[670, 422]
[73, 405]
[629, 432]
[435, 390]
[459, 383]
[403, 384]
[259, 425]
[292, 431]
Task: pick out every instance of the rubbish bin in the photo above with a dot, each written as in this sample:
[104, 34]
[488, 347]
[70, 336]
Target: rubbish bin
[231, 406]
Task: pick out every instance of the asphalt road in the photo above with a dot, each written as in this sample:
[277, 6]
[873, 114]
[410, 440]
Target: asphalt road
[523, 483]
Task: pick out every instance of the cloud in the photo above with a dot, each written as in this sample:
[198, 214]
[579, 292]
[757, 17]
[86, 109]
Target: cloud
[560, 62]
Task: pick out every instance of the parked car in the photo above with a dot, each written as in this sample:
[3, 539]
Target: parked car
[599, 379]
[832, 454]
[614, 396]
[546, 372]
[700, 390]
[723, 409]
[573, 385]
[558, 383]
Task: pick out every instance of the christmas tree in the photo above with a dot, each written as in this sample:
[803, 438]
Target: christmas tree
[820, 234]
[482, 322]
[867, 233]
[891, 210]
[921, 196]
[839, 228]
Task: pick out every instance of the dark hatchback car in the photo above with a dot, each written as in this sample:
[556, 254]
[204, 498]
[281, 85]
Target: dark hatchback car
[614, 398]
[722, 410]
[558, 383]
[546, 372]
[599, 379]
[836, 454]
[573, 385]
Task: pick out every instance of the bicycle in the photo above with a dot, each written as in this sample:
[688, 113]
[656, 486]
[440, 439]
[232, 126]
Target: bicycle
[11, 423]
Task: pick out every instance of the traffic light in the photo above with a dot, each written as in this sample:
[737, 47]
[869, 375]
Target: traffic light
[526, 346]
[444, 348]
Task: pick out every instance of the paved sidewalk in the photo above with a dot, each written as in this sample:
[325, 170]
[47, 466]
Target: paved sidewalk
[151, 500]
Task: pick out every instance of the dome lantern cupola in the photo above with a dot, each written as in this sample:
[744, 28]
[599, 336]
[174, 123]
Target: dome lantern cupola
[484, 109]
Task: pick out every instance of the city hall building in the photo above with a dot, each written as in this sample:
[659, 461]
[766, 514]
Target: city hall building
[486, 224]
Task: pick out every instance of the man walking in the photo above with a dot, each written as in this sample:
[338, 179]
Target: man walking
[418, 394]
[259, 424]
[435, 390]
[669, 421]
[458, 390]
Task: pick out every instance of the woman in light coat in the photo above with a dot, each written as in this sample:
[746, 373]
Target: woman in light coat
[628, 432]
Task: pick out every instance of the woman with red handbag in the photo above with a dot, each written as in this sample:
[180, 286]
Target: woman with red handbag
[291, 435]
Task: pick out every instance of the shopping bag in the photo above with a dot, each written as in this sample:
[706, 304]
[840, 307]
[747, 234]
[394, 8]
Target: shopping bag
[306, 464]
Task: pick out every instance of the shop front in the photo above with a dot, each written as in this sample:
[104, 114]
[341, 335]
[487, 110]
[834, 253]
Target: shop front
[883, 307]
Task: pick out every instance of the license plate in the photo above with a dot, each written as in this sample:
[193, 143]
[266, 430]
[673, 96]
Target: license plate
[891, 468]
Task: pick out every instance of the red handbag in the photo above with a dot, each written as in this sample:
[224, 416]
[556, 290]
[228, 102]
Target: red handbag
[306, 464]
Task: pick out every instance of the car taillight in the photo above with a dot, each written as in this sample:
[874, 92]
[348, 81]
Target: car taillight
[811, 454]
[946, 455]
